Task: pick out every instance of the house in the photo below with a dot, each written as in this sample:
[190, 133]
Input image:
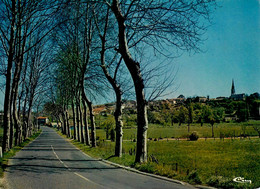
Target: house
[42, 120]
[200, 99]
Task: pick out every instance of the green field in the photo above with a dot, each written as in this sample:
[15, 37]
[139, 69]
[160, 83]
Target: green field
[175, 131]
[176, 159]
[214, 161]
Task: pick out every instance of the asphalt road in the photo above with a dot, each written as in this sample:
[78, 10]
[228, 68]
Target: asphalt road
[52, 162]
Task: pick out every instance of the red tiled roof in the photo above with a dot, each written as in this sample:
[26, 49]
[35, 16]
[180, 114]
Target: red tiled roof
[42, 117]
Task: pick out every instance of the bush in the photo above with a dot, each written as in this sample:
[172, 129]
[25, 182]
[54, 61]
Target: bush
[194, 136]
[193, 177]
[214, 181]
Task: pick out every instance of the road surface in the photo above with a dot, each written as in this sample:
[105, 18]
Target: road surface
[52, 162]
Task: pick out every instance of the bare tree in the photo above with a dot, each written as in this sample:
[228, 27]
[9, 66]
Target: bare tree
[79, 32]
[10, 49]
[156, 24]
[111, 79]
[20, 19]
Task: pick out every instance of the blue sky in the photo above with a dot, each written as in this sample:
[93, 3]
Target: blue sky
[232, 51]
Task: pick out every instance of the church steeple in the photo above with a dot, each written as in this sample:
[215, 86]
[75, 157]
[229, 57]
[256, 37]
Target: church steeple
[233, 88]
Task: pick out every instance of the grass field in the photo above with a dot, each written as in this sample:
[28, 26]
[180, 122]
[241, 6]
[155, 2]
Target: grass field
[177, 159]
[158, 131]
[213, 161]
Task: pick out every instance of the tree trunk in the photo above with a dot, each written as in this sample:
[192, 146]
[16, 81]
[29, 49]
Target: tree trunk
[116, 87]
[134, 69]
[92, 123]
[17, 74]
[20, 121]
[74, 120]
[77, 119]
[64, 129]
[25, 126]
[29, 122]
[85, 118]
[7, 104]
[119, 125]
[11, 137]
[61, 122]
[67, 123]
[81, 125]
[16, 122]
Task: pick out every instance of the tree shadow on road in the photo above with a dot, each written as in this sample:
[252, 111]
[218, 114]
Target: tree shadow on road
[54, 159]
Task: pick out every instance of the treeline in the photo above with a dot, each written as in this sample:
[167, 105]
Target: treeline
[65, 54]
[225, 110]
[24, 64]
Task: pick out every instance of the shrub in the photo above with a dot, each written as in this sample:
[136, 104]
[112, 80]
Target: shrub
[193, 177]
[213, 181]
[194, 136]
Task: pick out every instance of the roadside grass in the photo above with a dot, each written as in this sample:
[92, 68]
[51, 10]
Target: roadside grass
[211, 162]
[13, 151]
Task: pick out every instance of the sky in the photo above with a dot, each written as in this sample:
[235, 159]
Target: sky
[231, 51]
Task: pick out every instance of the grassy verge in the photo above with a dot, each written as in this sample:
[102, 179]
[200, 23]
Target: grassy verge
[13, 151]
[211, 162]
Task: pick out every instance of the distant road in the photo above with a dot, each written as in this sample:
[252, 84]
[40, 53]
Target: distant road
[52, 162]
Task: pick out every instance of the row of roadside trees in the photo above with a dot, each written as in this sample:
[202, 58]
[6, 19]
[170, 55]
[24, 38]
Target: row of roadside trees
[24, 26]
[91, 47]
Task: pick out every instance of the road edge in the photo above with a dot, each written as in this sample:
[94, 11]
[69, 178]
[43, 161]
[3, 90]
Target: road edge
[154, 176]
[3, 181]
[144, 173]
[137, 171]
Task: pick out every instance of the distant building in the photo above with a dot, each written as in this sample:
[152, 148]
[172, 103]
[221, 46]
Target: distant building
[42, 120]
[221, 98]
[238, 96]
[200, 99]
[99, 109]
[235, 96]
[233, 91]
